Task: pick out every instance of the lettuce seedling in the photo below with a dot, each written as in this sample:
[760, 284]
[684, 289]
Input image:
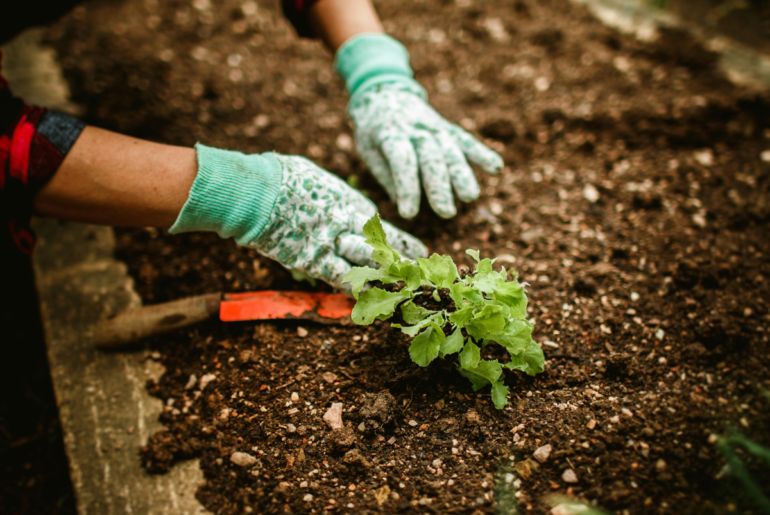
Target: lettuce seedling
[486, 307]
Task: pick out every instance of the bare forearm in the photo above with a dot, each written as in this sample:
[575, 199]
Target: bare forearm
[336, 21]
[111, 179]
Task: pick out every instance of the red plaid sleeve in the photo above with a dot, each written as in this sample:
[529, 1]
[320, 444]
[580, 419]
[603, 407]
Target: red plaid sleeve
[33, 143]
[296, 11]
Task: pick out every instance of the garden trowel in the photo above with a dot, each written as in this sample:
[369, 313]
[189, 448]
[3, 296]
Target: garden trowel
[134, 325]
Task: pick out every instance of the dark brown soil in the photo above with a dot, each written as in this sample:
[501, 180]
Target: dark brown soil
[635, 203]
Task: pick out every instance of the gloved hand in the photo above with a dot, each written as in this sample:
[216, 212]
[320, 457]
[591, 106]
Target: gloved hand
[399, 135]
[288, 209]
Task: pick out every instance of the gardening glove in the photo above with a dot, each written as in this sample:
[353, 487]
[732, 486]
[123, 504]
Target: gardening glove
[399, 135]
[288, 209]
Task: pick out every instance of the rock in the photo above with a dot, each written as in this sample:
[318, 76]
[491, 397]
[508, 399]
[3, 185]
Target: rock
[329, 377]
[704, 156]
[569, 476]
[333, 416]
[531, 236]
[660, 465]
[615, 419]
[355, 458]
[648, 432]
[343, 437]
[525, 468]
[601, 269]
[301, 332]
[362, 427]
[472, 416]
[308, 497]
[591, 424]
[294, 397]
[413, 423]
[541, 454]
[291, 428]
[590, 193]
[378, 408]
[301, 456]
[243, 459]
[191, 382]
[382, 495]
[205, 380]
[627, 412]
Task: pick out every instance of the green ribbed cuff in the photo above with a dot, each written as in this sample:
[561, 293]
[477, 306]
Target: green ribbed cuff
[367, 60]
[233, 194]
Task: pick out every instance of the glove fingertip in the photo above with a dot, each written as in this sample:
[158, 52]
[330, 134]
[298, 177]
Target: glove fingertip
[408, 210]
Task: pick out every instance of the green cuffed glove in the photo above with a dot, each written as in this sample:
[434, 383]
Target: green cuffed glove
[288, 209]
[400, 136]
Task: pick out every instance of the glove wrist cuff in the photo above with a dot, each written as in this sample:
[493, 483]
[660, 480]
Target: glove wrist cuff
[370, 59]
[232, 195]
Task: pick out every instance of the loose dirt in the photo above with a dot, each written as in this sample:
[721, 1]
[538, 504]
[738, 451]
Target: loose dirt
[635, 203]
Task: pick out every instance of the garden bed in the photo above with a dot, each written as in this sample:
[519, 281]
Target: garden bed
[635, 202]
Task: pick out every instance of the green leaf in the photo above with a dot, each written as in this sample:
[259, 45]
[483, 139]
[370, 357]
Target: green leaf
[452, 344]
[484, 266]
[499, 394]
[436, 296]
[408, 271]
[426, 345]
[439, 270]
[360, 275]
[487, 372]
[474, 254]
[531, 361]
[470, 356]
[377, 303]
[301, 276]
[487, 320]
[412, 330]
[515, 336]
[459, 291]
[383, 254]
[461, 316]
[413, 313]
[512, 294]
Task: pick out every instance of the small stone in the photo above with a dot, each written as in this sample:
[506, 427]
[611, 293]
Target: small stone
[660, 465]
[294, 397]
[413, 423]
[362, 427]
[627, 412]
[191, 382]
[243, 459]
[765, 156]
[704, 156]
[291, 428]
[301, 456]
[205, 380]
[615, 419]
[303, 484]
[591, 424]
[301, 332]
[542, 453]
[472, 416]
[713, 437]
[590, 193]
[308, 497]
[648, 432]
[333, 416]
[329, 377]
[569, 476]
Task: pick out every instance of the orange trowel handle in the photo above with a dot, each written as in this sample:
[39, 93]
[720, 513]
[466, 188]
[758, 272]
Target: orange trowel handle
[332, 308]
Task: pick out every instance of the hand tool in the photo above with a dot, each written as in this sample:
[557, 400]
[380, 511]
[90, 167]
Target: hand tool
[136, 324]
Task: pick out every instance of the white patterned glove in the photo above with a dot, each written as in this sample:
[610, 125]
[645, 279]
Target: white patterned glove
[402, 139]
[287, 208]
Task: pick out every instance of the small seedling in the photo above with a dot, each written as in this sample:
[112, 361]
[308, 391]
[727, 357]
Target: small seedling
[482, 307]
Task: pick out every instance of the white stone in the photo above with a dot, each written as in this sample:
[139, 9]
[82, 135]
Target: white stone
[333, 416]
[569, 476]
[542, 453]
[590, 193]
[205, 380]
[243, 459]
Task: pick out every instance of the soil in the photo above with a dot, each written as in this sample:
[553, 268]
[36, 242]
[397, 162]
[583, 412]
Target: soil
[635, 203]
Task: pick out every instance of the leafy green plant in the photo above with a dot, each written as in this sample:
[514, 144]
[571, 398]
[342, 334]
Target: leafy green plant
[483, 307]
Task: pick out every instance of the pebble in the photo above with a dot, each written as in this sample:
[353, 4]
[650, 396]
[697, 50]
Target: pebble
[591, 424]
[615, 419]
[627, 412]
[704, 157]
[303, 484]
[765, 156]
[308, 497]
[243, 459]
[542, 453]
[590, 193]
[291, 428]
[205, 380]
[713, 438]
[191, 382]
[362, 427]
[333, 416]
[569, 476]
[294, 397]
[301, 332]
[660, 465]
[329, 377]
[413, 423]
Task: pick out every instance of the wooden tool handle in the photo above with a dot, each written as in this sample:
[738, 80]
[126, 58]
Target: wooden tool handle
[134, 325]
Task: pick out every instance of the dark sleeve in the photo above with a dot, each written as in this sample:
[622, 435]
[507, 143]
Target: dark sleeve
[296, 11]
[33, 143]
